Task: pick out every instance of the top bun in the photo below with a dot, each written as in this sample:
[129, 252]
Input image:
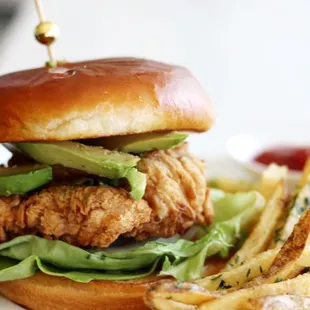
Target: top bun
[99, 98]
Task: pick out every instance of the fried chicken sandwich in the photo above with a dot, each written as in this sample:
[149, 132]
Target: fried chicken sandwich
[101, 191]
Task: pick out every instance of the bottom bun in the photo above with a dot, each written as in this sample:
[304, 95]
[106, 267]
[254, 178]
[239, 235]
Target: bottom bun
[44, 292]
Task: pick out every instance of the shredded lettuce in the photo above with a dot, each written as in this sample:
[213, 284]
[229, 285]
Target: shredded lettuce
[183, 259]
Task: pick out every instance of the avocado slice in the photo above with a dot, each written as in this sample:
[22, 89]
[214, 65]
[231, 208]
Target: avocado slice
[137, 182]
[140, 143]
[21, 180]
[91, 159]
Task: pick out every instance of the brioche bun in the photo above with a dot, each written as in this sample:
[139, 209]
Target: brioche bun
[101, 98]
[44, 292]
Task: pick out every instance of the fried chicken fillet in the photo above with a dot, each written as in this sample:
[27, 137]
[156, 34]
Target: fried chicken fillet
[176, 197]
[85, 216]
[176, 192]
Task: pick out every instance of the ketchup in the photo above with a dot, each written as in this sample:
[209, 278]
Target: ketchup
[292, 157]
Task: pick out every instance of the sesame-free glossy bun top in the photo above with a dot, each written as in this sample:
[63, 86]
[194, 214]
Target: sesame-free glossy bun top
[98, 98]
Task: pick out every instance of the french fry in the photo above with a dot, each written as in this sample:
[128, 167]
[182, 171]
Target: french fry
[306, 173]
[304, 260]
[251, 269]
[287, 262]
[287, 302]
[187, 297]
[263, 231]
[270, 178]
[167, 304]
[239, 275]
[255, 277]
[235, 300]
[190, 294]
[300, 202]
[292, 258]
[186, 293]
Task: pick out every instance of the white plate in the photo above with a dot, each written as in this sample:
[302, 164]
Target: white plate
[8, 305]
[216, 167]
[243, 148]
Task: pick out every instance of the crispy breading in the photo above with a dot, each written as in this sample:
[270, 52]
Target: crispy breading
[176, 197]
[176, 192]
[8, 216]
[85, 216]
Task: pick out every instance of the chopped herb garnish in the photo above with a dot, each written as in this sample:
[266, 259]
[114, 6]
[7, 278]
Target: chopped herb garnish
[216, 277]
[307, 201]
[242, 237]
[277, 235]
[279, 279]
[301, 210]
[261, 269]
[236, 259]
[223, 285]
[248, 273]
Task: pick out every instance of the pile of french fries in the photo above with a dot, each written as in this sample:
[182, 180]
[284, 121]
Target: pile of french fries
[269, 271]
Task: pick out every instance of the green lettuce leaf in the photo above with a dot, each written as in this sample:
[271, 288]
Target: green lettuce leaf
[228, 205]
[11, 269]
[221, 237]
[178, 257]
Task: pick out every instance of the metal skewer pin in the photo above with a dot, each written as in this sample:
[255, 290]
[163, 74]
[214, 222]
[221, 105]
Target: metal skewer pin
[46, 33]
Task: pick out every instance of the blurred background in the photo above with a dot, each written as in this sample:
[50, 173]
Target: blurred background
[252, 56]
